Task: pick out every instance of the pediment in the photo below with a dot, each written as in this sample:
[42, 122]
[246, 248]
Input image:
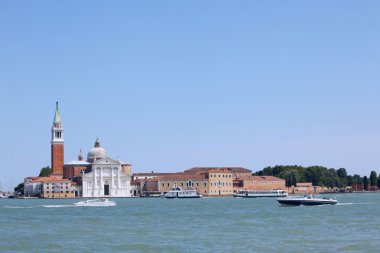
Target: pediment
[106, 160]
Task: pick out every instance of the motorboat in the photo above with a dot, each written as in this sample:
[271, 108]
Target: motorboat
[96, 202]
[178, 192]
[310, 200]
[262, 193]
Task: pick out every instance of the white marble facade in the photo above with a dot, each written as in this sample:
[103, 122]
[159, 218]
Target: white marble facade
[106, 179]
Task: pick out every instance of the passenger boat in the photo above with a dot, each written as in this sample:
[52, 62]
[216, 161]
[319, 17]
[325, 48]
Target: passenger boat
[307, 201]
[95, 202]
[178, 192]
[263, 193]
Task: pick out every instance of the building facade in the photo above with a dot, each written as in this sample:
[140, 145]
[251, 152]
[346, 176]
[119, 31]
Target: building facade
[75, 169]
[146, 184]
[49, 187]
[108, 178]
[259, 183]
[214, 182]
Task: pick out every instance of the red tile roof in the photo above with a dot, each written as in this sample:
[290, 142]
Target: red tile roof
[260, 178]
[48, 179]
[183, 176]
[150, 174]
[231, 169]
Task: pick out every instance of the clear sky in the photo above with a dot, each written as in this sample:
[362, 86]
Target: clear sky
[170, 85]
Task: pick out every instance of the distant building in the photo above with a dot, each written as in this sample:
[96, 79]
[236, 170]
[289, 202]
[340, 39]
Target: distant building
[75, 169]
[236, 171]
[146, 184]
[108, 178]
[213, 182]
[49, 187]
[209, 181]
[249, 182]
[306, 188]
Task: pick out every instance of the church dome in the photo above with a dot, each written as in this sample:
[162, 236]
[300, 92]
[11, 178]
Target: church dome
[96, 153]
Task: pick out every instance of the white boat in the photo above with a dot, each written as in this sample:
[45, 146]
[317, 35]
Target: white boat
[262, 193]
[178, 192]
[95, 202]
[307, 201]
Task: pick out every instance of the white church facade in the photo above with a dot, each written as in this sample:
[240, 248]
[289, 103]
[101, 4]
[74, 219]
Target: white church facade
[108, 178]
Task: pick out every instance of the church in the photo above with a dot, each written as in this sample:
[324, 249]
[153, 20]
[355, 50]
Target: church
[99, 176]
[107, 177]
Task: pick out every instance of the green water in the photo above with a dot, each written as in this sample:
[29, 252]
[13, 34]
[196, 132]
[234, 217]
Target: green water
[223, 224]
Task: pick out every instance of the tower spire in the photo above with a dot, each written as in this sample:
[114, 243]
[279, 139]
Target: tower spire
[57, 144]
[57, 115]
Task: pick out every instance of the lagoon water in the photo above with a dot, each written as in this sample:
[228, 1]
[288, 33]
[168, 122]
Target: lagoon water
[222, 224]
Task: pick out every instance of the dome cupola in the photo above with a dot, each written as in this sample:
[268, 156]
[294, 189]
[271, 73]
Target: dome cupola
[96, 153]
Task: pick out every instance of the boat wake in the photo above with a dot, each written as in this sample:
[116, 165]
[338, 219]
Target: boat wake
[55, 206]
[346, 204]
[18, 207]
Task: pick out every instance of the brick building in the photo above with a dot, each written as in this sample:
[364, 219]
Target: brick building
[249, 182]
[213, 182]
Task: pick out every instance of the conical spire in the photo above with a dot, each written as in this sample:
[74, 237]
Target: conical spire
[57, 116]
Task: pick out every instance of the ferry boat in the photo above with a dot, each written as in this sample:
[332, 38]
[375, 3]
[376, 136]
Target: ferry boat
[178, 192]
[95, 202]
[263, 193]
[307, 201]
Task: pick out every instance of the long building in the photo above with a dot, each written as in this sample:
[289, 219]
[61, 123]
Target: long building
[209, 181]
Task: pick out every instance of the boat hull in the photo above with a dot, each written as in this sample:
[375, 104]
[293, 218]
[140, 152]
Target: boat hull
[180, 197]
[182, 194]
[95, 202]
[259, 196]
[306, 202]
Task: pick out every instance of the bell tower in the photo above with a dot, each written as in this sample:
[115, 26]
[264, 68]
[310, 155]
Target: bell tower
[57, 147]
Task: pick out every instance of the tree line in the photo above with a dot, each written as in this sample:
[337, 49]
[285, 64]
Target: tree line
[321, 176]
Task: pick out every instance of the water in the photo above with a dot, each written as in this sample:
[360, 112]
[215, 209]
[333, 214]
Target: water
[223, 224]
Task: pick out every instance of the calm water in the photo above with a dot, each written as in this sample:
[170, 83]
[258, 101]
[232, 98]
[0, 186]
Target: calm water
[223, 224]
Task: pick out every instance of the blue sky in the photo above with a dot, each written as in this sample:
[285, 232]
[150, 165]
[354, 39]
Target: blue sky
[169, 85]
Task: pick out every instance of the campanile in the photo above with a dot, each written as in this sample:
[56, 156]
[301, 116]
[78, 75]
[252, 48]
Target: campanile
[57, 147]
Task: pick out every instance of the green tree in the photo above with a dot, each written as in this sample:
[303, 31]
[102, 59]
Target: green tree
[350, 180]
[358, 179]
[365, 182]
[373, 178]
[378, 182]
[19, 189]
[331, 179]
[45, 172]
[342, 173]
